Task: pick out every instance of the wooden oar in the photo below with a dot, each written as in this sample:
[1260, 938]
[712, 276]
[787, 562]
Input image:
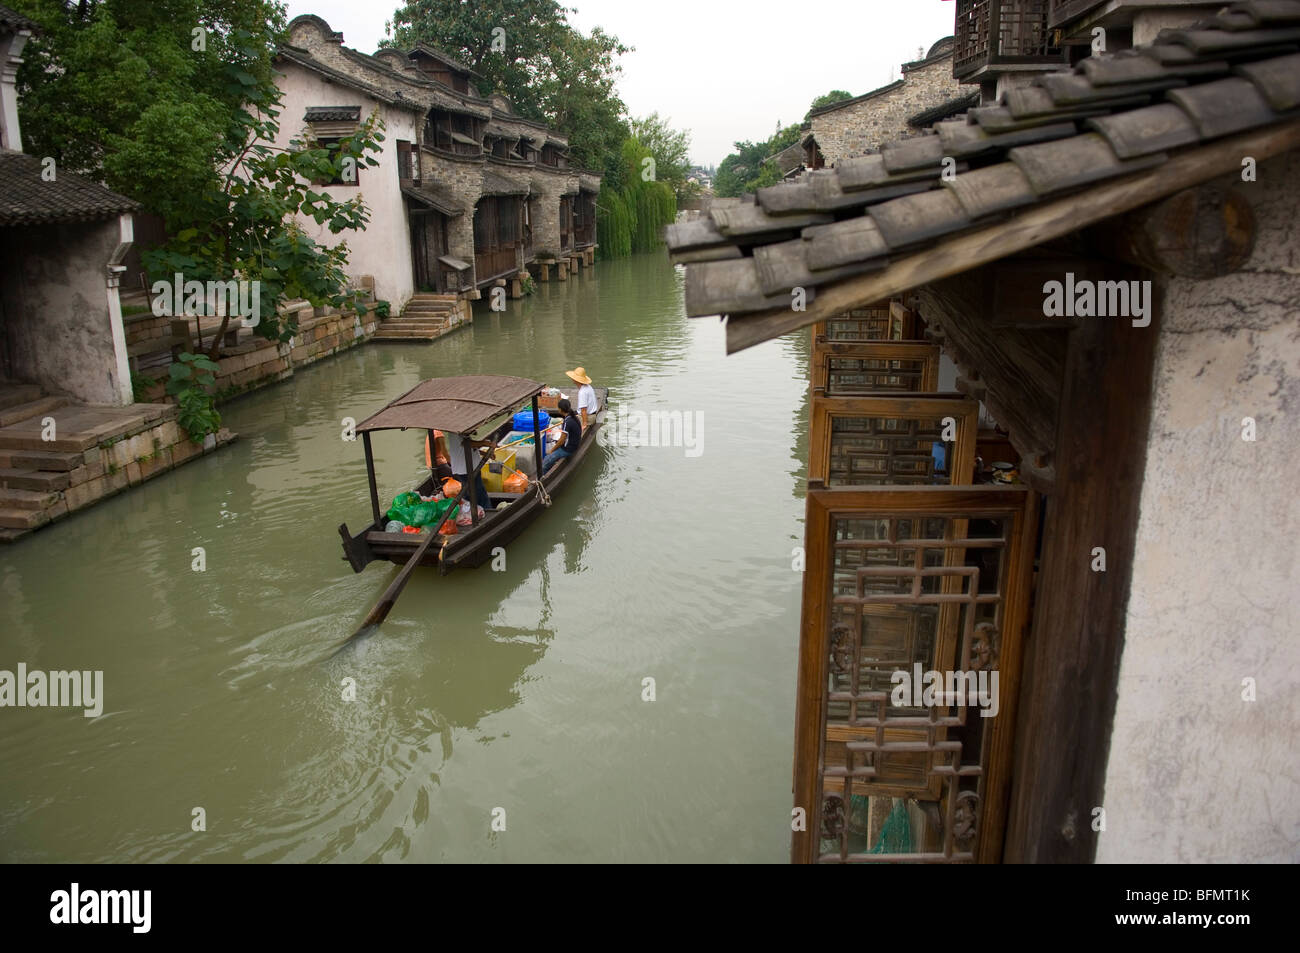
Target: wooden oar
[385, 603]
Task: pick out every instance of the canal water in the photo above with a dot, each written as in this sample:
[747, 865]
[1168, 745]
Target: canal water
[516, 695]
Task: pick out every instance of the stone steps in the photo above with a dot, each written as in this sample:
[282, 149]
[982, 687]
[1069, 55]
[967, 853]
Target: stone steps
[16, 499]
[28, 479]
[79, 428]
[39, 460]
[20, 519]
[32, 408]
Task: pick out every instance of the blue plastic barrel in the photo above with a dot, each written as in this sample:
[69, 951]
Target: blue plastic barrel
[524, 421]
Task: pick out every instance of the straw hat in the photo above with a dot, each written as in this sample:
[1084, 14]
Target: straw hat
[579, 374]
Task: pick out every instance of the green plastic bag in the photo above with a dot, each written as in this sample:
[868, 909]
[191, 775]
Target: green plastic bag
[408, 508]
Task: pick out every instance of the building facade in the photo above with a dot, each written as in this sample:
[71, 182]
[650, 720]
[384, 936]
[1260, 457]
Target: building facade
[466, 194]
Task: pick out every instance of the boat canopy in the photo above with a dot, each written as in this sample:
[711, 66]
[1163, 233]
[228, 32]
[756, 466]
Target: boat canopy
[455, 404]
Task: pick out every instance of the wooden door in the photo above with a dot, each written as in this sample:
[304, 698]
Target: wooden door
[909, 580]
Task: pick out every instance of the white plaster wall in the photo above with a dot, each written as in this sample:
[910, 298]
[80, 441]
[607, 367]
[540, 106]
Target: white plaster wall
[1195, 773]
[383, 249]
[60, 331]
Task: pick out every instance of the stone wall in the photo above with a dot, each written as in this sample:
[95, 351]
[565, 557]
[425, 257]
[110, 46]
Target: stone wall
[60, 321]
[1197, 774]
[860, 126]
[257, 362]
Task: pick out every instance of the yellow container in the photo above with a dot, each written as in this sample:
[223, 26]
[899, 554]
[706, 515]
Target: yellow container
[492, 481]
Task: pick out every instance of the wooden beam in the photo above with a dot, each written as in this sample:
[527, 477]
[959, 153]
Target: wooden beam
[1067, 701]
[1032, 227]
[1204, 232]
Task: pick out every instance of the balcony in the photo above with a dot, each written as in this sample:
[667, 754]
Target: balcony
[1060, 12]
[996, 36]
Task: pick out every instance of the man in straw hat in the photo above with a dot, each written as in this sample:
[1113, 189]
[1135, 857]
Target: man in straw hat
[586, 394]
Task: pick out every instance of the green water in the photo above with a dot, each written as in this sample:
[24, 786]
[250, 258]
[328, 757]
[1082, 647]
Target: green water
[519, 689]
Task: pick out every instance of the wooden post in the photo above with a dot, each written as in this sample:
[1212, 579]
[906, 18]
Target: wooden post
[470, 478]
[370, 475]
[537, 439]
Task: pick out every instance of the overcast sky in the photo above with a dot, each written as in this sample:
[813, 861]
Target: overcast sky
[724, 69]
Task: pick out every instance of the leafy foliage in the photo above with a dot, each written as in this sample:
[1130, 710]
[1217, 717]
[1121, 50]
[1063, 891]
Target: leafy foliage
[670, 148]
[192, 381]
[745, 169]
[117, 90]
[828, 99]
[550, 71]
[631, 218]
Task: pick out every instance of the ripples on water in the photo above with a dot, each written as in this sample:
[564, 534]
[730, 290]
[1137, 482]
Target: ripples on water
[519, 689]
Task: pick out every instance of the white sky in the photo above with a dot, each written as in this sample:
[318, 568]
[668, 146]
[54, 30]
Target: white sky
[724, 69]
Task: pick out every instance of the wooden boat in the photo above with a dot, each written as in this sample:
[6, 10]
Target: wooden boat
[460, 406]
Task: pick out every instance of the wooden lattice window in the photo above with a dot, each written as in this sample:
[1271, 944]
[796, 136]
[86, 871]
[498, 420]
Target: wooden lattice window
[861, 441]
[925, 579]
[883, 321]
[852, 369]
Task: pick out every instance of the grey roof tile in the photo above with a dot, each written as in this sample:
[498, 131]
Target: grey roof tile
[992, 190]
[741, 220]
[1225, 42]
[1272, 11]
[868, 172]
[915, 219]
[854, 239]
[725, 287]
[697, 233]
[1144, 131]
[1053, 167]
[920, 152]
[961, 140]
[1234, 73]
[782, 267]
[1224, 106]
[1278, 80]
[26, 198]
[1075, 89]
[1176, 61]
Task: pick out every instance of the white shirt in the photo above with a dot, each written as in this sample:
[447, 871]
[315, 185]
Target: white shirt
[587, 399]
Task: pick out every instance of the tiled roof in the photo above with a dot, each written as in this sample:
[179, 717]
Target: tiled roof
[437, 54]
[27, 199]
[14, 20]
[953, 107]
[435, 197]
[393, 97]
[494, 183]
[1112, 116]
[332, 114]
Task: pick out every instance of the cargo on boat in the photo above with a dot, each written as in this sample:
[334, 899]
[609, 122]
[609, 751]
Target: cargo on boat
[459, 407]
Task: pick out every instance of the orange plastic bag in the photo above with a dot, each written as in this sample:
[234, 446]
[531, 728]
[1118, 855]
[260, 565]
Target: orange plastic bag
[448, 528]
[515, 483]
[450, 488]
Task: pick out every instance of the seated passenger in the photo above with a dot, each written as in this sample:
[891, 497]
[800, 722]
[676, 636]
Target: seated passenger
[570, 436]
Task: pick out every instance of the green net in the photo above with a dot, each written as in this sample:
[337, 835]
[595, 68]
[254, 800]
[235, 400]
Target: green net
[896, 833]
[408, 508]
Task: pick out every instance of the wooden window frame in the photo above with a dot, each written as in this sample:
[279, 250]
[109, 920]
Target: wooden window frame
[826, 505]
[901, 406]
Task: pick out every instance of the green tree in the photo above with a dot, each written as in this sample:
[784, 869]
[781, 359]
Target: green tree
[173, 103]
[670, 148]
[125, 92]
[631, 218]
[828, 99]
[550, 71]
[746, 169]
